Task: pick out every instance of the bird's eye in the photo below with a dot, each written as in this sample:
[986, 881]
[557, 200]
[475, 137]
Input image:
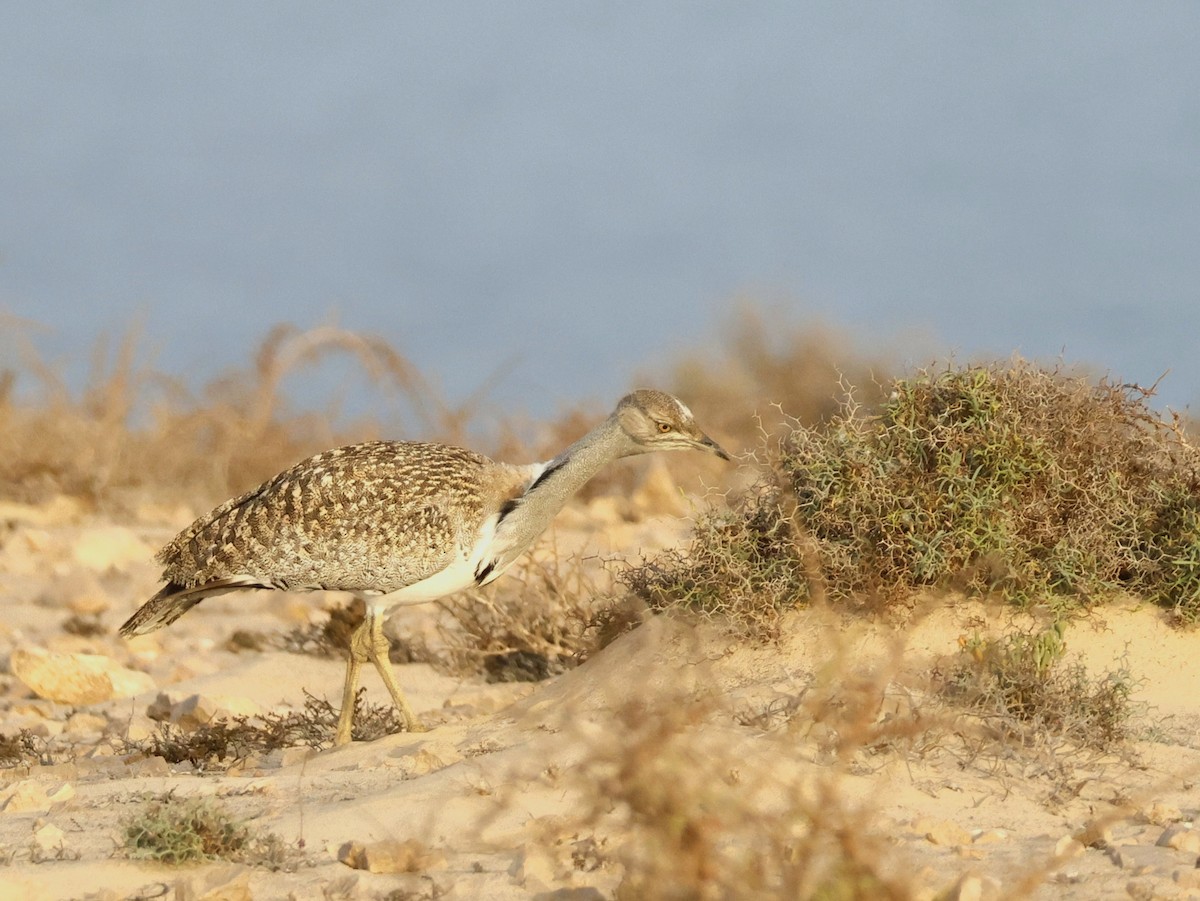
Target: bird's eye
[664, 426]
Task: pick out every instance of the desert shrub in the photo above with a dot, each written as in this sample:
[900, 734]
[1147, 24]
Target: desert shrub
[745, 565]
[1022, 685]
[545, 618]
[178, 830]
[22, 749]
[239, 738]
[699, 820]
[1007, 480]
[130, 428]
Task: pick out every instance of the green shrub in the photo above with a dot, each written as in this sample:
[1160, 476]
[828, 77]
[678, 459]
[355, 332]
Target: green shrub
[1009, 480]
[177, 830]
[1023, 684]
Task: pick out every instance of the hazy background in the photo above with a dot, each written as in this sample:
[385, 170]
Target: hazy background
[583, 190]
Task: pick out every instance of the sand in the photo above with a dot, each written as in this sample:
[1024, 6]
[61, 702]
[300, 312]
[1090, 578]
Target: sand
[520, 790]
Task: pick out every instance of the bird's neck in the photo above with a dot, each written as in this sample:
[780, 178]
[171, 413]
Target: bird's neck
[560, 478]
[570, 470]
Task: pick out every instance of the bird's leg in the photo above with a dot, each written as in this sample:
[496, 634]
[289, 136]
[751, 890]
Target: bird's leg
[359, 654]
[378, 649]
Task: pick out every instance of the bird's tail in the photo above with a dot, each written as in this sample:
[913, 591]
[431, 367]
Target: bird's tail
[173, 601]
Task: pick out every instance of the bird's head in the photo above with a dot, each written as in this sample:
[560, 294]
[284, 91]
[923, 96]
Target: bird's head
[654, 420]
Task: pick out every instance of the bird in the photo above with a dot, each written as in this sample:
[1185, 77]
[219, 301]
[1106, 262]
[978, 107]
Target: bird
[397, 523]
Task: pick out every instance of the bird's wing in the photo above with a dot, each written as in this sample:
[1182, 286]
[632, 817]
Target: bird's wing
[375, 516]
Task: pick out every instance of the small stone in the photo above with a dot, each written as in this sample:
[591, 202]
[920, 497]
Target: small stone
[428, 757]
[140, 728]
[60, 793]
[89, 599]
[424, 762]
[1068, 847]
[946, 832]
[76, 678]
[353, 855]
[1181, 838]
[36, 795]
[1163, 814]
[49, 838]
[199, 710]
[411, 856]
[989, 836]
[1095, 835]
[192, 711]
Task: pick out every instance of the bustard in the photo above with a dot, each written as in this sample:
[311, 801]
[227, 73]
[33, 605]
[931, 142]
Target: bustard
[396, 522]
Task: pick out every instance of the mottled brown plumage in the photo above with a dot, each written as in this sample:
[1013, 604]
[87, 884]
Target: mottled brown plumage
[371, 518]
[396, 522]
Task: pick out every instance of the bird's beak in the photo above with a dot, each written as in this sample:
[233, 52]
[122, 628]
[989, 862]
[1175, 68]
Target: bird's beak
[707, 445]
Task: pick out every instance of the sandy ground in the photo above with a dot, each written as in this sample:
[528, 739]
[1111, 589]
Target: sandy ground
[515, 792]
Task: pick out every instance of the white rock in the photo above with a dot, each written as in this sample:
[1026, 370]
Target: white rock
[76, 678]
[49, 838]
[195, 710]
[1181, 838]
[29, 795]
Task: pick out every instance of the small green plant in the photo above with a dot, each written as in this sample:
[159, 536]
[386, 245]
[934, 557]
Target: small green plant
[174, 830]
[1024, 684]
